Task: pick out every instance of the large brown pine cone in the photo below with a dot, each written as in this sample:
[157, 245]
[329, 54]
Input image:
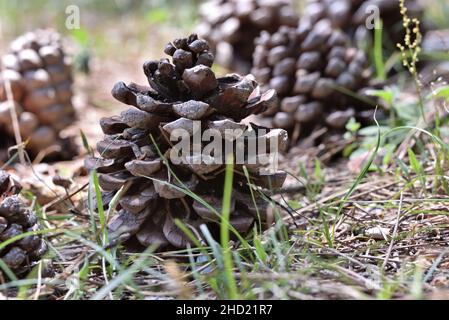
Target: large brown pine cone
[40, 76]
[308, 67]
[231, 26]
[355, 17]
[180, 92]
[16, 219]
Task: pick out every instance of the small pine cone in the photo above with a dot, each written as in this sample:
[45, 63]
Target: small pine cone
[41, 81]
[355, 17]
[181, 91]
[306, 66]
[230, 26]
[16, 219]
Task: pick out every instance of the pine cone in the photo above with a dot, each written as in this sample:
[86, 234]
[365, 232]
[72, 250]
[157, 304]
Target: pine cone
[353, 16]
[307, 66]
[231, 26]
[41, 81]
[180, 92]
[15, 219]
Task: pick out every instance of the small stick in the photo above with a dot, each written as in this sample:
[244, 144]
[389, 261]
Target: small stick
[15, 119]
[12, 110]
[66, 197]
[393, 236]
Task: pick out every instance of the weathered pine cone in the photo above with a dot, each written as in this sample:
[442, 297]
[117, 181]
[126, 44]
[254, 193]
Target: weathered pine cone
[41, 83]
[15, 219]
[354, 17]
[180, 92]
[230, 26]
[309, 66]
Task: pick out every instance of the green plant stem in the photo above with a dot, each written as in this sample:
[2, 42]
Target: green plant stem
[224, 231]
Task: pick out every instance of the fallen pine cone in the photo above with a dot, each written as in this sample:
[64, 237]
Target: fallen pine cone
[40, 77]
[312, 68]
[15, 219]
[230, 26]
[357, 18]
[182, 92]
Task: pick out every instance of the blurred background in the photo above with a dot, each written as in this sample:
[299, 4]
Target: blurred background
[117, 36]
[114, 38]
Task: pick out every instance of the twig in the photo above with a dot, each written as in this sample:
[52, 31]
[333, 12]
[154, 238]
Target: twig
[12, 109]
[393, 236]
[289, 189]
[14, 118]
[66, 197]
[39, 281]
[429, 274]
[365, 282]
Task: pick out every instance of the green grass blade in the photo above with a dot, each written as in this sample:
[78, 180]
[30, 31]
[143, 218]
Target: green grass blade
[99, 200]
[224, 232]
[86, 143]
[378, 56]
